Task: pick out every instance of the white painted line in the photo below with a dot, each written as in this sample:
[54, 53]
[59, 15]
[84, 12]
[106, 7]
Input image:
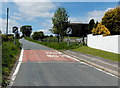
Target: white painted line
[52, 56]
[93, 66]
[101, 61]
[17, 68]
[98, 60]
[102, 70]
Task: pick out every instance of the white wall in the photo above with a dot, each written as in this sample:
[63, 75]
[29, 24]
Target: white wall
[106, 43]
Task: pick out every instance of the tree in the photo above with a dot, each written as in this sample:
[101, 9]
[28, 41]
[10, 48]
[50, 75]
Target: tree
[51, 35]
[100, 29]
[38, 35]
[91, 26]
[111, 20]
[95, 25]
[60, 22]
[0, 32]
[26, 30]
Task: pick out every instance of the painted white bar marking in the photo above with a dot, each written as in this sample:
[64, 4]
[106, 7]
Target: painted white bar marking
[52, 56]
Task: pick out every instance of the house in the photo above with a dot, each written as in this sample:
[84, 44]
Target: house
[79, 29]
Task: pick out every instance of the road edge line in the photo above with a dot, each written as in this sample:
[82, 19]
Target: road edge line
[17, 68]
[98, 67]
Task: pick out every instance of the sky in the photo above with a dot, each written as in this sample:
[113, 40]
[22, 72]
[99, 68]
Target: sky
[39, 14]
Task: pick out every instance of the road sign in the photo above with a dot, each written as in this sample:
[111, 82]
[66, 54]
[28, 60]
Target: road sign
[15, 29]
[69, 30]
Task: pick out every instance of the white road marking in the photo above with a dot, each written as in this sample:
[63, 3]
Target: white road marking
[99, 61]
[52, 56]
[17, 68]
[95, 67]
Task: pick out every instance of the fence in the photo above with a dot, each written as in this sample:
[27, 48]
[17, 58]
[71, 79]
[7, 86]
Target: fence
[106, 43]
[71, 40]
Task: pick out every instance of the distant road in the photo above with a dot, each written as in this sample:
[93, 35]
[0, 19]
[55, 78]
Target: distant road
[43, 66]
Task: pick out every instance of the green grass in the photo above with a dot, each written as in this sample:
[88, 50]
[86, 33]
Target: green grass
[72, 37]
[51, 37]
[99, 53]
[10, 51]
[56, 45]
[79, 48]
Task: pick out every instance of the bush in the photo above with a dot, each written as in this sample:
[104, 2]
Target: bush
[100, 29]
[38, 35]
[111, 20]
[56, 45]
[9, 53]
[7, 37]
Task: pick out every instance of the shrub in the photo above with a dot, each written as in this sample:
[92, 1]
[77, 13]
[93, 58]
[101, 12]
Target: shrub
[100, 29]
[7, 37]
[111, 20]
[56, 45]
[9, 53]
[38, 35]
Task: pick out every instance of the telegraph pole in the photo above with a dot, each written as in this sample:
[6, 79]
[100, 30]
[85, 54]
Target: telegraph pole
[7, 21]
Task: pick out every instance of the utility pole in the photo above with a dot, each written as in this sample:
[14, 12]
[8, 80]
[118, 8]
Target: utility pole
[7, 21]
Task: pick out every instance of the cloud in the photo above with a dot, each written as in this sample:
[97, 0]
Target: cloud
[11, 24]
[47, 24]
[61, 0]
[16, 18]
[26, 0]
[109, 9]
[45, 31]
[74, 20]
[97, 14]
[31, 10]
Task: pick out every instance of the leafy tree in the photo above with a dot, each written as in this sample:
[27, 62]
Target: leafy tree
[91, 26]
[111, 20]
[38, 35]
[60, 22]
[26, 30]
[0, 32]
[51, 35]
[95, 25]
[100, 29]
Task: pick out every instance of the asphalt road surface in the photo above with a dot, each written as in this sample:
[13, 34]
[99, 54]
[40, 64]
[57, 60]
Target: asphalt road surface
[42, 66]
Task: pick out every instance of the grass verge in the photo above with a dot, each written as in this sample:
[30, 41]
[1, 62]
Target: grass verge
[79, 48]
[56, 45]
[99, 53]
[10, 51]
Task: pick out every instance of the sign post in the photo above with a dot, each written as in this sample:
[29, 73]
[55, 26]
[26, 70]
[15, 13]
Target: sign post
[68, 32]
[15, 31]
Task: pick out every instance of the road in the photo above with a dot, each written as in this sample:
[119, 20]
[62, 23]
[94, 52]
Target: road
[43, 66]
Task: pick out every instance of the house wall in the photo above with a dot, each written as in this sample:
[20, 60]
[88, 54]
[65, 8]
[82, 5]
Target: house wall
[106, 43]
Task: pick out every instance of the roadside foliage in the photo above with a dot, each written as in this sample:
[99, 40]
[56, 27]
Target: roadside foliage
[100, 30]
[10, 53]
[111, 20]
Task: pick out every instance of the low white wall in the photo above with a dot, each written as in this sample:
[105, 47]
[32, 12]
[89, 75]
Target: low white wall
[106, 43]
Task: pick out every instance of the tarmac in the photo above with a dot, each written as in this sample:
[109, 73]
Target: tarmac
[106, 65]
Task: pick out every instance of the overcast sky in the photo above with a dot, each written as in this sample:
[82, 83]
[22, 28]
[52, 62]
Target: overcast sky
[39, 14]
